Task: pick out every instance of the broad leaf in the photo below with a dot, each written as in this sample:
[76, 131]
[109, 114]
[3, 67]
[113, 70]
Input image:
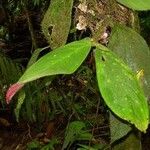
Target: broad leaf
[57, 21]
[134, 51]
[136, 4]
[121, 90]
[63, 60]
[123, 41]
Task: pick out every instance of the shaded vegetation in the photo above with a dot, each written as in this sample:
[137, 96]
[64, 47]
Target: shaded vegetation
[63, 111]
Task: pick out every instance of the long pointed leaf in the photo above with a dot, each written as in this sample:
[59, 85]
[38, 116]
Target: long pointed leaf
[63, 60]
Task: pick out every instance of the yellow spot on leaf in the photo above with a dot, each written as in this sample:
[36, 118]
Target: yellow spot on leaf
[140, 74]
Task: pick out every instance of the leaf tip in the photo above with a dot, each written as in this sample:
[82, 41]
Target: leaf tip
[13, 89]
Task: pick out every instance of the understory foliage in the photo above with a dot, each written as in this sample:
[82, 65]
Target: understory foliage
[76, 71]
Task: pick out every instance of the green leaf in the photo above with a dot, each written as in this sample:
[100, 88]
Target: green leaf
[136, 4]
[33, 145]
[118, 129]
[63, 60]
[50, 145]
[9, 70]
[85, 147]
[134, 51]
[131, 141]
[75, 132]
[99, 146]
[57, 21]
[21, 98]
[121, 90]
[123, 41]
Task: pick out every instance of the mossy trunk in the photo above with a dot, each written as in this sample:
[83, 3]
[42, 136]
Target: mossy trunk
[99, 15]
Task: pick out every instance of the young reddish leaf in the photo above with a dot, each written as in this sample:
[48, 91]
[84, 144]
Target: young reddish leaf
[13, 89]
